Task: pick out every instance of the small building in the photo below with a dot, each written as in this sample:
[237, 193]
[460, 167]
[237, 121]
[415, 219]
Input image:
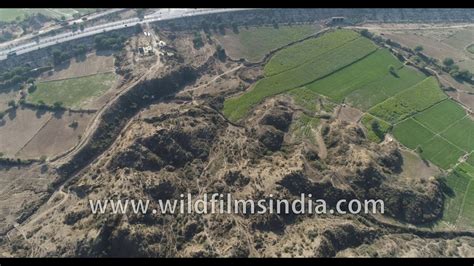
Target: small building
[161, 44]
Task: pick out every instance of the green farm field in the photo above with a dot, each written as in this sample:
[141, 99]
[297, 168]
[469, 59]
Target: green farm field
[410, 101]
[308, 50]
[461, 134]
[411, 133]
[338, 85]
[458, 205]
[72, 92]
[441, 115]
[440, 152]
[377, 91]
[323, 65]
[254, 43]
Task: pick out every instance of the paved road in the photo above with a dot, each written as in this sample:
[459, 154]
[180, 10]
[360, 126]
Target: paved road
[162, 14]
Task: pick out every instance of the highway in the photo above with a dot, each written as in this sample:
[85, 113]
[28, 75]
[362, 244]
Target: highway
[160, 15]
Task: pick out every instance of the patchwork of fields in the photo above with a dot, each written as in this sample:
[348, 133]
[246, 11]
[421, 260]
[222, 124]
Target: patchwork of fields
[297, 73]
[408, 102]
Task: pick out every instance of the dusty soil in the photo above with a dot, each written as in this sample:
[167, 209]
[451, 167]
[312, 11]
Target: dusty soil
[56, 136]
[19, 127]
[349, 114]
[93, 64]
[5, 97]
[438, 40]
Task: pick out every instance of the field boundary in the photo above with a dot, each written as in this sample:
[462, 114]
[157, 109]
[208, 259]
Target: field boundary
[78, 77]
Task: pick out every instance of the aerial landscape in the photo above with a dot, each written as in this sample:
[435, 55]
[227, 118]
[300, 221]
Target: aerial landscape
[345, 106]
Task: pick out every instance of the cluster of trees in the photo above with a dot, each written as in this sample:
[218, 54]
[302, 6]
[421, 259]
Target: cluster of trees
[109, 42]
[5, 36]
[220, 53]
[15, 75]
[197, 40]
[60, 56]
[453, 69]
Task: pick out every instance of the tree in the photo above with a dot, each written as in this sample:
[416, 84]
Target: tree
[63, 18]
[81, 27]
[376, 128]
[418, 48]
[419, 149]
[221, 54]
[392, 71]
[43, 158]
[366, 33]
[12, 104]
[31, 88]
[58, 105]
[448, 61]
[2, 114]
[74, 124]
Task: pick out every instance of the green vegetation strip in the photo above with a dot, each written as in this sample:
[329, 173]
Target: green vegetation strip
[410, 101]
[325, 64]
[72, 92]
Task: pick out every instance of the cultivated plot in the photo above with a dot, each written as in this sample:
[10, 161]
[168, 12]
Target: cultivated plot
[440, 152]
[338, 85]
[72, 92]
[410, 101]
[254, 43]
[461, 133]
[308, 50]
[441, 115]
[458, 205]
[377, 91]
[411, 133]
